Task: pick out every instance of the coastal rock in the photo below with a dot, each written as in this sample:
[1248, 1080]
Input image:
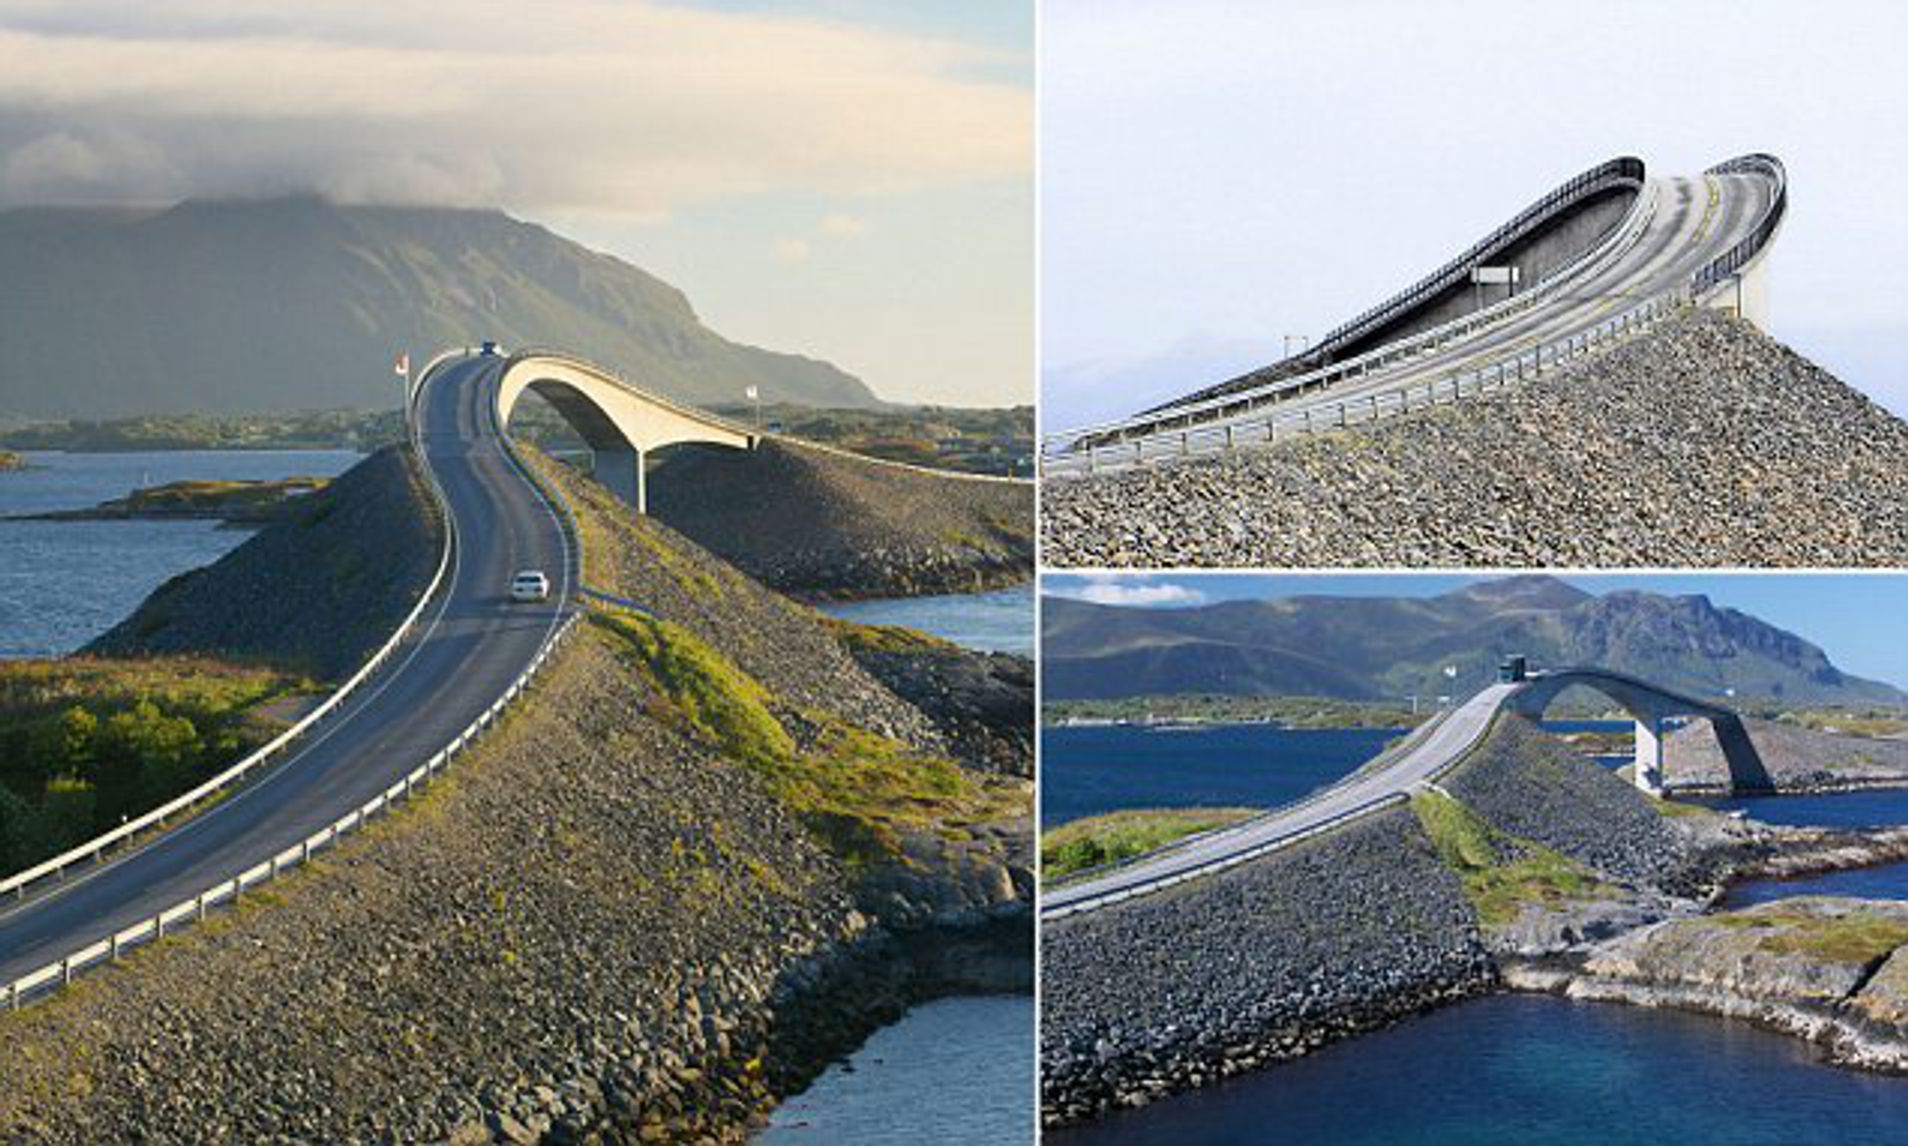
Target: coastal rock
[1797, 759]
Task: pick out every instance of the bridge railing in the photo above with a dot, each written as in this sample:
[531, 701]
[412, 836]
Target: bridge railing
[1375, 405]
[1623, 171]
[735, 427]
[95, 849]
[58, 973]
[1059, 451]
[1750, 246]
[1222, 863]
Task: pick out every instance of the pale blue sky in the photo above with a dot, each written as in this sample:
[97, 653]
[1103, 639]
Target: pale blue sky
[1859, 619]
[844, 179]
[1217, 175]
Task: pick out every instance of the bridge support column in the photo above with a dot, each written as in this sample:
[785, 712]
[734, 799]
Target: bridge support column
[1649, 755]
[622, 472]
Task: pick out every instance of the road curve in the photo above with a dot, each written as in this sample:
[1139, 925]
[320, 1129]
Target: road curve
[472, 643]
[1428, 752]
[1686, 224]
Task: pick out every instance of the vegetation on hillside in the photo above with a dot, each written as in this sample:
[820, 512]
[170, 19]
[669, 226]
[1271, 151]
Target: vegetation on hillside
[1098, 840]
[1859, 937]
[237, 501]
[87, 742]
[855, 790]
[1501, 873]
[1869, 722]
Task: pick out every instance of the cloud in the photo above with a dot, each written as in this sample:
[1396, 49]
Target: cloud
[792, 250]
[844, 226]
[1128, 589]
[624, 108]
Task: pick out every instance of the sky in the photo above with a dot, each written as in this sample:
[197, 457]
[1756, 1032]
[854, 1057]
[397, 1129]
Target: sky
[845, 179]
[1859, 619]
[1216, 176]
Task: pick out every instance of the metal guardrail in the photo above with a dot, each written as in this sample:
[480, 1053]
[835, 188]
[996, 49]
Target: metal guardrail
[1377, 405]
[1402, 745]
[1750, 246]
[60, 972]
[95, 849]
[1221, 863]
[1117, 445]
[1623, 171]
[1059, 451]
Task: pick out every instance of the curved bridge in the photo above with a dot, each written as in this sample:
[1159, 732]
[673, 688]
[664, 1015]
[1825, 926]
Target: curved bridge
[1677, 242]
[621, 422]
[465, 652]
[1433, 749]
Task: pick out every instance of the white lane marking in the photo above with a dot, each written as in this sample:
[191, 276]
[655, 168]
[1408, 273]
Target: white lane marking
[353, 712]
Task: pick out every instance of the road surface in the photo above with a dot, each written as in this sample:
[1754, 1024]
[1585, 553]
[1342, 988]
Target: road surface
[471, 644]
[1429, 752]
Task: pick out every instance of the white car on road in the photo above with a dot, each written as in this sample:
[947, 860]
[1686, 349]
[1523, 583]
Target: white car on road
[530, 585]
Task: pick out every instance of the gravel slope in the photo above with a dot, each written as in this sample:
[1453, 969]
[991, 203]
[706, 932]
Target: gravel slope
[316, 592]
[1705, 443]
[828, 525]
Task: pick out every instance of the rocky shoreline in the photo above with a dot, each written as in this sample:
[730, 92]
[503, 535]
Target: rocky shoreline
[601, 925]
[247, 504]
[1586, 871]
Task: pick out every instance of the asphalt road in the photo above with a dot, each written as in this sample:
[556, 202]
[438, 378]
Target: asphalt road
[1428, 753]
[472, 642]
[1693, 221]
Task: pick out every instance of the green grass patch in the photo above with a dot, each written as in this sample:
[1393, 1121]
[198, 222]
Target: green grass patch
[853, 789]
[1678, 810]
[857, 637]
[1501, 873]
[1099, 840]
[88, 741]
[1859, 937]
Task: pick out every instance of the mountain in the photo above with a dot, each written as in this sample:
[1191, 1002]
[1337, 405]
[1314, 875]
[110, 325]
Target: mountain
[1371, 648]
[297, 303]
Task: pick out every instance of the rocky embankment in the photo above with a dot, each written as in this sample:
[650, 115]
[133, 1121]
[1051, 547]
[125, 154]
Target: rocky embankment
[826, 525]
[1797, 759]
[618, 919]
[1522, 860]
[244, 503]
[1704, 443]
[1261, 963]
[316, 592]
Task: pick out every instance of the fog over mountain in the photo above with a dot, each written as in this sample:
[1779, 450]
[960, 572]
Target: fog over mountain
[1369, 648]
[299, 303]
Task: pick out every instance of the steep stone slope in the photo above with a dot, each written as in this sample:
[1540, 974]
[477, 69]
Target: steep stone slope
[1704, 443]
[823, 524]
[1797, 759]
[316, 592]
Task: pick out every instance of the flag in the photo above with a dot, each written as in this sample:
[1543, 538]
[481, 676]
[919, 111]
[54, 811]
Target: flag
[402, 368]
[751, 393]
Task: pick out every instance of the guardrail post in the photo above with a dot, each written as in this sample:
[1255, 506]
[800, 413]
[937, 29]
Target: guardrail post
[198, 908]
[13, 995]
[159, 926]
[112, 949]
[66, 972]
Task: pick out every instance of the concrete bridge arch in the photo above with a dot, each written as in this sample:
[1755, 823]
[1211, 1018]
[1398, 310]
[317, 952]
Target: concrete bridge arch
[622, 423]
[1649, 706]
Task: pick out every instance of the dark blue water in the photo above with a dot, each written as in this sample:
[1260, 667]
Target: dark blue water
[1001, 621]
[941, 1074]
[1872, 809]
[1104, 768]
[956, 1070]
[1516, 1070]
[63, 583]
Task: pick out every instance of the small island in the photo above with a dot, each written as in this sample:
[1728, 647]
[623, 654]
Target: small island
[240, 503]
[11, 461]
